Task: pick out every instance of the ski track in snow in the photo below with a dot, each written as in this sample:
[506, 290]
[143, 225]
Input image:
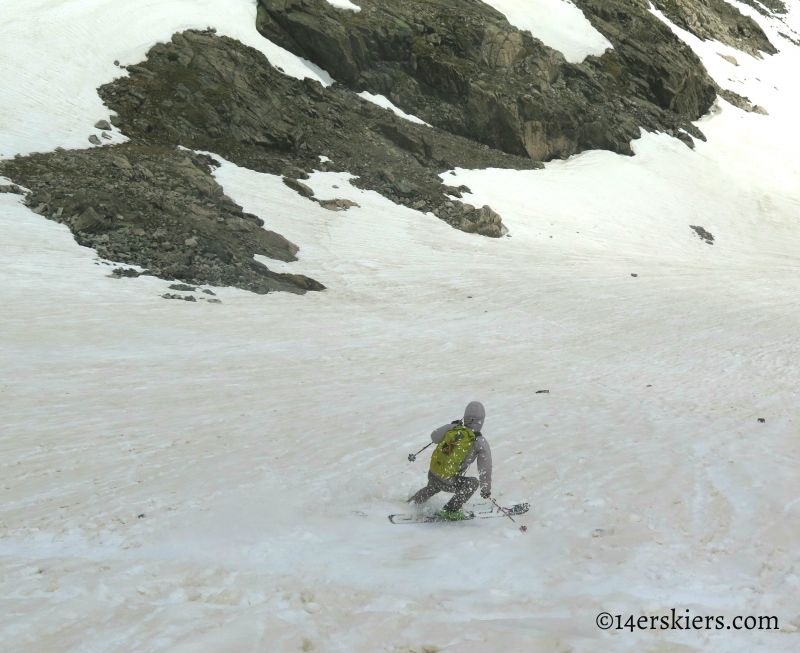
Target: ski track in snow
[264, 440]
[558, 24]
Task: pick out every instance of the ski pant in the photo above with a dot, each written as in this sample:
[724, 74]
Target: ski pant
[462, 487]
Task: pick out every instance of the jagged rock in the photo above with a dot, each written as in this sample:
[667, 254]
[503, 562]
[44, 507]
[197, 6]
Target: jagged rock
[298, 187]
[121, 162]
[741, 102]
[244, 109]
[502, 49]
[188, 298]
[128, 273]
[717, 20]
[337, 204]
[766, 7]
[649, 62]
[94, 140]
[729, 58]
[141, 70]
[685, 139]
[88, 222]
[703, 234]
[102, 124]
[462, 67]
[483, 221]
[159, 209]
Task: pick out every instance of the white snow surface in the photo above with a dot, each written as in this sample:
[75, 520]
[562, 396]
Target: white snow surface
[56, 53]
[263, 441]
[556, 23]
[386, 103]
[344, 4]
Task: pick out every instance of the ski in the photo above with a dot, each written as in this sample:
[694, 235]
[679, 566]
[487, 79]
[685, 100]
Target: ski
[479, 511]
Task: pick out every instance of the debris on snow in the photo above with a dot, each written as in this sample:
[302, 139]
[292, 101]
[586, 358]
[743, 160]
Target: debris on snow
[130, 273]
[188, 298]
[703, 234]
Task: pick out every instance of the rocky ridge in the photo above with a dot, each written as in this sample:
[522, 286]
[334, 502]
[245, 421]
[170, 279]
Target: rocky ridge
[211, 93]
[718, 20]
[159, 209]
[767, 7]
[463, 68]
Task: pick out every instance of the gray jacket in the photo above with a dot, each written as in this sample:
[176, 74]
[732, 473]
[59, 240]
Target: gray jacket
[474, 416]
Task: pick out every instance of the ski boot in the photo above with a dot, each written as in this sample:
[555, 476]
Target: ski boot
[451, 516]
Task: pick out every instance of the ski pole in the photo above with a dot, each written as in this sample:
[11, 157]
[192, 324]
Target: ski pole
[413, 456]
[505, 512]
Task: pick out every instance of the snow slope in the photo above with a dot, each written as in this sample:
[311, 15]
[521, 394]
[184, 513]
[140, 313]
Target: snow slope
[386, 103]
[344, 4]
[263, 441]
[55, 54]
[556, 23]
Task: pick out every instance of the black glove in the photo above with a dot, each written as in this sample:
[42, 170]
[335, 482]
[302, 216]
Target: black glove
[486, 493]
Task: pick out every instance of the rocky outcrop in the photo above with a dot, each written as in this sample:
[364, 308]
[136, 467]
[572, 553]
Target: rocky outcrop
[677, 83]
[212, 93]
[650, 60]
[718, 20]
[159, 209]
[463, 68]
[767, 7]
[741, 102]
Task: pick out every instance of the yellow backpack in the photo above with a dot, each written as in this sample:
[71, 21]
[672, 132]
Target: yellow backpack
[451, 452]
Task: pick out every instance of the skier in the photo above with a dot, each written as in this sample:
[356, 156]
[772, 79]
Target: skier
[459, 444]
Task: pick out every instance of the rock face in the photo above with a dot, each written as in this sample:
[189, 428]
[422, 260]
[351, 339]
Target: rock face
[159, 209]
[462, 67]
[718, 20]
[767, 7]
[656, 64]
[680, 84]
[212, 93]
